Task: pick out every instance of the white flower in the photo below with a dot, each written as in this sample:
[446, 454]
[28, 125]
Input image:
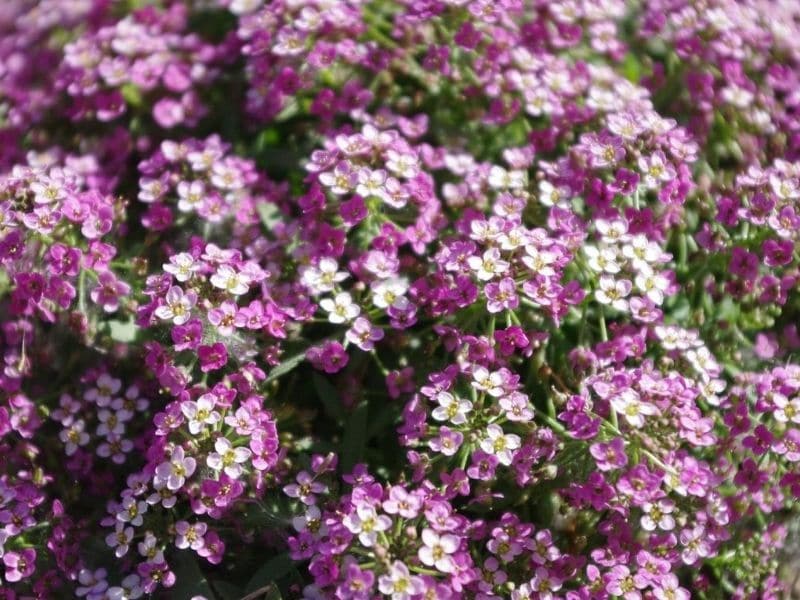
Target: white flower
[653, 285]
[602, 259]
[786, 410]
[658, 515]
[310, 521]
[367, 523]
[641, 252]
[539, 261]
[226, 278]
[190, 535]
[120, 539]
[228, 458]
[489, 382]
[190, 195]
[500, 179]
[132, 511]
[502, 445]
[74, 436]
[200, 413]
[655, 170]
[629, 404]
[550, 195]
[340, 308]
[437, 549]
[451, 408]
[403, 165]
[324, 276]
[612, 231]
[371, 183]
[182, 266]
[399, 583]
[174, 472]
[489, 266]
[785, 189]
[178, 307]
[613, 292]
[390, 292]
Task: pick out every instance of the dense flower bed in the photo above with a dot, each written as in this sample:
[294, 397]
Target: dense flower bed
[419, 299]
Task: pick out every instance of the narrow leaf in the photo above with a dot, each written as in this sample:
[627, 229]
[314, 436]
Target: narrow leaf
[355, 437]
[328, 396]
[286, 366]
[271, 571]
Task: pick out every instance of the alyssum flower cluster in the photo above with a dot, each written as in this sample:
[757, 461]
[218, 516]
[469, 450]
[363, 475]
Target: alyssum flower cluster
[415, 299]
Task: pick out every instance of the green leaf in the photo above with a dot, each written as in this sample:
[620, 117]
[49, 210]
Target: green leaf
[227, 591]
[265, 577]
[288, 365]
[189, 579]
[270, 214]
[355, 437]
[123, 331]
[328, 396]
[268, 592]
[131, 94]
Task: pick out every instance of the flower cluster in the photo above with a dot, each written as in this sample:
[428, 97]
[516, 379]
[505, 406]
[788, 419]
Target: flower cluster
[406, 299]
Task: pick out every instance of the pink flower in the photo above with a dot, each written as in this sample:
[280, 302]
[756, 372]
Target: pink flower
[175, 471]
[108, 291]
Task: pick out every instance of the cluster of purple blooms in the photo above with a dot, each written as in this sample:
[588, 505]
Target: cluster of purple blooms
[415, 299]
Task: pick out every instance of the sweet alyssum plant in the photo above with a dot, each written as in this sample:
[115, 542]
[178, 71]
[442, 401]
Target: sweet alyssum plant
[417, 299]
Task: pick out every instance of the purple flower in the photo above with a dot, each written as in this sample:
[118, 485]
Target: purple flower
[108, 292]
[212, 357]
[19, 565]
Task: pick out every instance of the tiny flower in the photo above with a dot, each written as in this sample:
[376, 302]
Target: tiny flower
[178, 306]
[613, 292]
[499, 444]
[390, 292]
[489, 265]
[658, 515]
[447, 442]
[190, 195]
[305, 489]
[516, 407]
[500, 179]
[200, 413]
[19, 565]
[226, 278]
[175, 471]
[490, 382]
[437, 549]
[367, 523]
[363, 334]
[182, 266]
[399, 583]
[190, 535]
[228, 458]
[120, 539]
[630, 405]
[74, 436]
[451, 408]
[341, 308]
[324, 276]
[602, 260]
[652, 285]
[108, 291]
[501, 295]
